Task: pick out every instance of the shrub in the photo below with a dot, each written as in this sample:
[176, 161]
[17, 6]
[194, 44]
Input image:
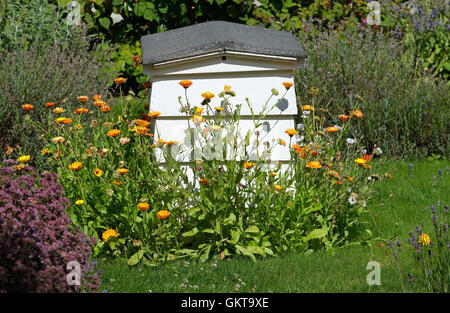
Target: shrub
[36, 77]
[407, 114]
[36, 21]
[136, 207]
[37, 240]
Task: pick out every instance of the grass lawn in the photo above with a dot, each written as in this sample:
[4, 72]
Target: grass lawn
[399, 205]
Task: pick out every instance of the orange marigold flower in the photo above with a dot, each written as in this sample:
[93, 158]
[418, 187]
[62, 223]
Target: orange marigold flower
[185, 83]
[287, 85]
[333, 173]
[349, 178]
[291, 132]
[67, 121]
[105, 108]
[357, 113]
[75, 166]
[143, 206]
[208, 95]
[154, 114]
[117, 182]
[281, 142]
[313, 164]
[344, 118]
[142, 130]
[120, 80]
[83, 99]
[108, 234]
[142, 123]
[122, 171]
[8, 150]
[277, 187]
[113, 133]
[204, 181]
[248, 164]
[99, 103]
[19, 167]
[80, 110]
[50, 104]
[338, 182]
[367, 157]
[27, 107]
[313, 153]
[97, 97]
[163, 214]
[332, 129]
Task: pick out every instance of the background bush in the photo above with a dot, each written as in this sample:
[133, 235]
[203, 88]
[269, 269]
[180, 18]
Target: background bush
[36, 239]
[408, 115]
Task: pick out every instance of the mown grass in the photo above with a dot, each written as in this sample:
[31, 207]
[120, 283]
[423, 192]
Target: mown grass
[400, 203]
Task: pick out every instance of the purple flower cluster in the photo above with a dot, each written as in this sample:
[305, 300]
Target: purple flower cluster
[37, 240]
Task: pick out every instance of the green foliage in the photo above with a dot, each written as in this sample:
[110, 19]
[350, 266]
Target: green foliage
[224, 207]
[408, 115]
[26, 22]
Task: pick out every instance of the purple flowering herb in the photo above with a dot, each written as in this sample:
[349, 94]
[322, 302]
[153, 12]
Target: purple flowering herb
[446, 208]
[410, 278]
[410, 166]
[440, 172]
[412, 176]
[429, 272]
[433, 209]
[37, 238]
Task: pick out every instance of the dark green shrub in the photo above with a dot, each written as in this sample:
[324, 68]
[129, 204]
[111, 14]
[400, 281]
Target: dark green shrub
[363, 68]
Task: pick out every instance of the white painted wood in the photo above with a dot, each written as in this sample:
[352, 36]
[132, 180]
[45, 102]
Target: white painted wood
[203, 142]
[256, 87]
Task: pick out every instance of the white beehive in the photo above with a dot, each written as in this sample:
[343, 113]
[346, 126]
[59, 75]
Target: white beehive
[252, 60]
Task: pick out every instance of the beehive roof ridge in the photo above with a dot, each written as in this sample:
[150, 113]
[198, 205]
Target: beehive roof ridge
[216, 36]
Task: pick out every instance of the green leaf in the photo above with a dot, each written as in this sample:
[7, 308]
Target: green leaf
[252, 229]
[315, 208]
[117, 2]
[235, 235]
[101, 208]
[190, 233]
[105, 22]
[317, 233]
[205, 254]
[209, 231]
[136, 258]
[230, 220]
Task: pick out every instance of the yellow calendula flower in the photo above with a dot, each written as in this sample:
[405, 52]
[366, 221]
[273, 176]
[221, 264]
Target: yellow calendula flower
[288, 85]
[307, 108]
[58, 110]
[24, 159]
[313, 164]
[208, 95]
[142, 123]
[117, 182]
[218, 109]
[108, 234]
[291, 132]
[277, 187]
[45, 151]
[75, 166]
[424, 239]
[98, 172]
[360, 161]
[248, 164]
[122, 171]
[79, 202]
